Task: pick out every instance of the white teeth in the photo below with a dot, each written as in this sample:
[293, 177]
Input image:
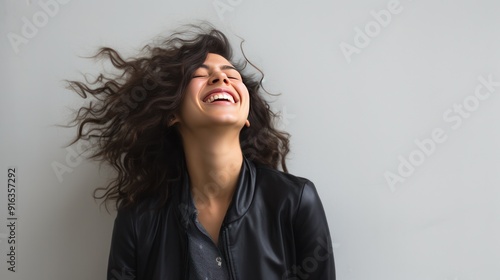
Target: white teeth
[220, 96]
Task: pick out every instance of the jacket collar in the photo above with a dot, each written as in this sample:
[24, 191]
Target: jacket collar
[242, 198]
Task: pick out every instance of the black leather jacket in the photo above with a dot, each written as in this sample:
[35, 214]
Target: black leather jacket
[275, 228]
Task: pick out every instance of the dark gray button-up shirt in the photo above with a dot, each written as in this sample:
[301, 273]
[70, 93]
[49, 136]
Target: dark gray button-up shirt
[206, 259]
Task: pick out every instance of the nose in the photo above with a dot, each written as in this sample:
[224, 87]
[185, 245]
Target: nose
[219, 77]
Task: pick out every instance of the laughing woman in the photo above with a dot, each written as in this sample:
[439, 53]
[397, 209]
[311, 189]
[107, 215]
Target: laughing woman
[198, 190]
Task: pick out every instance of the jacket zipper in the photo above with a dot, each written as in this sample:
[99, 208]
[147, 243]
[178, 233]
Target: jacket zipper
[226, 253]
[186, 273]
[184, 236]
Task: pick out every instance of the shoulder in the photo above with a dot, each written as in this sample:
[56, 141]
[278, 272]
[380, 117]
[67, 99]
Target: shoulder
[281, 185]
[281, 180]
[142, 211]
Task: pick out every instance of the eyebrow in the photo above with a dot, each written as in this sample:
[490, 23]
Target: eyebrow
[223, 67]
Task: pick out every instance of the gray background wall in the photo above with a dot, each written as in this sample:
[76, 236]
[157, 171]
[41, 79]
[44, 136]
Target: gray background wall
[364, 96]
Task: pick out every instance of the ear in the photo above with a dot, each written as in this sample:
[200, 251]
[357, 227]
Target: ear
[173, 119]
[247, 123]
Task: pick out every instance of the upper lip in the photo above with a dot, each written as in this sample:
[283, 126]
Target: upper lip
[218, 90]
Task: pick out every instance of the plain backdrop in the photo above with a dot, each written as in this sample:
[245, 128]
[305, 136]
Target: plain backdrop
[370, 90]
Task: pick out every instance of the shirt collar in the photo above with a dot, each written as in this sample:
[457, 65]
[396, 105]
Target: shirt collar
[242, 197]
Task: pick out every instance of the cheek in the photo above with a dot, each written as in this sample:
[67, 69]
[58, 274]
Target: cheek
[242, 89]
[192, 91]
[191, 88]
[189, 98]
[246, 95]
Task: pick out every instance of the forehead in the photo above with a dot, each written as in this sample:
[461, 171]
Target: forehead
[215, 60]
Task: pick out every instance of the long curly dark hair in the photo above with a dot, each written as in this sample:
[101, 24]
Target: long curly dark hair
[126, 120]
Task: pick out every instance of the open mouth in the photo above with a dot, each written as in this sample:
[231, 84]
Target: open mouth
[220, 95]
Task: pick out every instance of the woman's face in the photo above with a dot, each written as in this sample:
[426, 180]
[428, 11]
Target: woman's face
[215, 96]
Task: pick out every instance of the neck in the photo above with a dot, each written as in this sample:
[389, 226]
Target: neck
[214, 162]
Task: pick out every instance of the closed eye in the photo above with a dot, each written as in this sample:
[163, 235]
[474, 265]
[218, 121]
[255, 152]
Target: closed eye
[233, 74]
